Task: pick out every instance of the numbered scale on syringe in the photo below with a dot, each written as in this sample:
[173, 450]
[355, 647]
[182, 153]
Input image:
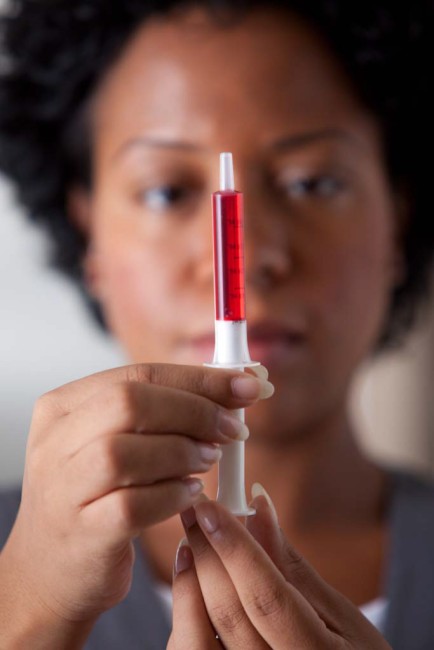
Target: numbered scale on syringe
[230, 299]
[231, 349]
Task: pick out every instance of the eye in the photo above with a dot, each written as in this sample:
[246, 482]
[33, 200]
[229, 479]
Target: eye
[164, 197]
[314, 187]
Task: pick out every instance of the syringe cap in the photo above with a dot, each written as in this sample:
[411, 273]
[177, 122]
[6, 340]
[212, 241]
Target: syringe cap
[226, 172]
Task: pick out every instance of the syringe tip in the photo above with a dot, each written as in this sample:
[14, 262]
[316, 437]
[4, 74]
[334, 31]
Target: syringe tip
[226, 172]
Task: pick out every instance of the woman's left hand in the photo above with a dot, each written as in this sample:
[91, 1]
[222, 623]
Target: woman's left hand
[256, 593]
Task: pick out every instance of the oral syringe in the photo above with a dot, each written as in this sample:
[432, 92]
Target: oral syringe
[231, 349]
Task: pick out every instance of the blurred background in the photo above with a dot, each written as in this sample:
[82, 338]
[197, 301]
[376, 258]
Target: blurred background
[47, 338]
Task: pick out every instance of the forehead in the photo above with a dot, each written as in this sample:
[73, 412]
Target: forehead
[189, 74]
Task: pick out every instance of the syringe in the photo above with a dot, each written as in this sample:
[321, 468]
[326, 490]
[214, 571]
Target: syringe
[231, 349]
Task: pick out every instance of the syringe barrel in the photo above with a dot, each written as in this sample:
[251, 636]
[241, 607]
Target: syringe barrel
[231, 350]
[229, 283]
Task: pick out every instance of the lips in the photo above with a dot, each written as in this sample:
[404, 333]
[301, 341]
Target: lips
[261, 335]
[272, 332]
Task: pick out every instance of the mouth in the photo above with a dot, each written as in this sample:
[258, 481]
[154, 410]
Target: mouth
[269, 342]
[270, 332]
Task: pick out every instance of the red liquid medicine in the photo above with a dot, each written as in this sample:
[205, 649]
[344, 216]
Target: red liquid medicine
[228, 233]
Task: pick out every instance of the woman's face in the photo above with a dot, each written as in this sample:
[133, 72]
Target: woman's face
[320, 217]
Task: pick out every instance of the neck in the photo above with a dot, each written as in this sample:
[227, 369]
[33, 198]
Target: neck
[320, 479]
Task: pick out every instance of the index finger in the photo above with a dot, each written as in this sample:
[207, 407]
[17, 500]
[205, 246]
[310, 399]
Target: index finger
[230, 388]
[279, 612]
[192, 629]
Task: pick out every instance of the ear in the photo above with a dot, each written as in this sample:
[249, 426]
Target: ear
[78, 204]
[79, 207]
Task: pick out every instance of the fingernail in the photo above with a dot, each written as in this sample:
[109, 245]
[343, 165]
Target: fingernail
[260, 371]
[194, 486]
[207, 516]
[184, 557]
[188, 518]
[209, 453]
[231, 427]
[251, 388]
[258, 490]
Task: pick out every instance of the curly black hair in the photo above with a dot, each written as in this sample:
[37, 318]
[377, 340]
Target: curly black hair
[54, 52]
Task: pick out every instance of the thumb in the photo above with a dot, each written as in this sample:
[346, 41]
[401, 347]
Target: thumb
[191, 627]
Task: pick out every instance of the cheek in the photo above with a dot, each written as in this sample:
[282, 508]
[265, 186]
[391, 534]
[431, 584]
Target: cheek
[139, 283]
[358, 281]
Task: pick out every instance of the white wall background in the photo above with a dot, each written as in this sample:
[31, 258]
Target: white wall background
[47, 338]
[393, 401]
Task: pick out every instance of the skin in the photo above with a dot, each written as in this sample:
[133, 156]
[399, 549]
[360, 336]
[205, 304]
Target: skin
[70, 555]
[321, 261]
[255, 594]
[325, 268]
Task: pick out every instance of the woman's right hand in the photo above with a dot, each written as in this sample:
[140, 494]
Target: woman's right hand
[107, 456]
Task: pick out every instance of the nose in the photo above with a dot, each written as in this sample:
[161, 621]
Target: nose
[268, 260]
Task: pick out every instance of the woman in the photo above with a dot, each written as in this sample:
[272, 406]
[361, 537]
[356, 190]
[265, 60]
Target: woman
[113, 116]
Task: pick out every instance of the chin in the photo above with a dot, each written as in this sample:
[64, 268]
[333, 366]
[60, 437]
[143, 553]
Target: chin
[287, 416]
[267, 421]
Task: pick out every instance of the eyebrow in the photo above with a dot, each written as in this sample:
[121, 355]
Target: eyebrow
[300, 140]
[296, 141]
[159, 143]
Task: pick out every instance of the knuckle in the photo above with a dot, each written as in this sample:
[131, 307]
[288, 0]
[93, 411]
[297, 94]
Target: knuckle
[42, 402]
[35, 463]
[44, 405]
[228, 618]
[267, 601]
[295, 564]
[207, 381]
[50, 405]
[142, 373]
[201, 381]
[198, 381]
